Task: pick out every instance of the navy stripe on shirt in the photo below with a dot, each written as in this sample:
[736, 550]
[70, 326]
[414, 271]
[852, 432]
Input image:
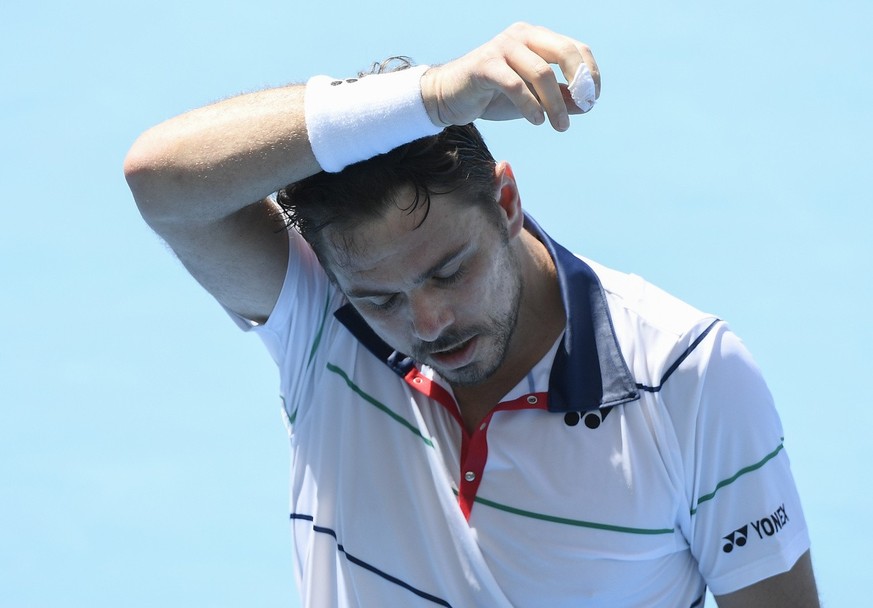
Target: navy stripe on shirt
[367, 566]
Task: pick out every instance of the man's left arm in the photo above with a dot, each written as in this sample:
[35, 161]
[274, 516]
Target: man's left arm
[746, 529]
[793, 589]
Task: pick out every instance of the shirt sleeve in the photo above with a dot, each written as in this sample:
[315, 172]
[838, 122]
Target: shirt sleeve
[746, 522]
[296, 325]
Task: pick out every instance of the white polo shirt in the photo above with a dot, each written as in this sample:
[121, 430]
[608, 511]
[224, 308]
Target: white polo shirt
[641, 460]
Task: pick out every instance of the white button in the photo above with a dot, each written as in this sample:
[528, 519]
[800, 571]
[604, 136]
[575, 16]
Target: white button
[482, 427]
[470, 476]
[531, 399]
[417, 380]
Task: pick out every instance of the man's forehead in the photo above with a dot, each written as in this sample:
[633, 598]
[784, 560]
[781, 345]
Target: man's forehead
[360, 245]
[401, 211]
[402, 223]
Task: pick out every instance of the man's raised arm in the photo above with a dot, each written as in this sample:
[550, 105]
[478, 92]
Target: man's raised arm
[201, 180]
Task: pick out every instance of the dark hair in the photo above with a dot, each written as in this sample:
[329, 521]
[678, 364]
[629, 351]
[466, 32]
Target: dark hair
[456, 159]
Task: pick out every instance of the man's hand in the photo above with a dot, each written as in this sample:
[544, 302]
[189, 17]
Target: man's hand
[509, 77]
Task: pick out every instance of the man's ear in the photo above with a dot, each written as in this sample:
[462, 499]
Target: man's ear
[508, 197]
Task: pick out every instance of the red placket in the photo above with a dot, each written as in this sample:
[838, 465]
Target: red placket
[474, 447]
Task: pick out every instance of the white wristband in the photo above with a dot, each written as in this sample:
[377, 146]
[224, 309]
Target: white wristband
[582, 88]
[352, 120]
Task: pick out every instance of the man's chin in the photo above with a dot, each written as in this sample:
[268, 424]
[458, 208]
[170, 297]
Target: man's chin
[473, 374]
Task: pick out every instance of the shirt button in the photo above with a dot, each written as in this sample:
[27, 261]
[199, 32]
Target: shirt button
[531, 399]
[483, 426]
[470, 476]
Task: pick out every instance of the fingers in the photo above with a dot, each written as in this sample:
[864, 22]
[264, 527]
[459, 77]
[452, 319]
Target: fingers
[505, 77]
[530, 51]
[509, 77]
[540, 83]
[558, 49]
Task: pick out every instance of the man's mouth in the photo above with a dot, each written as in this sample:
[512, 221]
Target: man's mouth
[455, 356]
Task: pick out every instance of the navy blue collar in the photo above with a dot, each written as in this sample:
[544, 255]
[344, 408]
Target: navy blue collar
[589, 371]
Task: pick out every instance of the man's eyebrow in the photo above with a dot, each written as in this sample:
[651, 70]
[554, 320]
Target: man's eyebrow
[365, 292]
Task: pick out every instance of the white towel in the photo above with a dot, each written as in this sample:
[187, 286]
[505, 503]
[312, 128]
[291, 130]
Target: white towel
[582, 88]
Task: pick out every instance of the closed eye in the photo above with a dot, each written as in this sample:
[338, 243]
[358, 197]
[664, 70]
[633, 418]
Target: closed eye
[452, 276]
[382, 303]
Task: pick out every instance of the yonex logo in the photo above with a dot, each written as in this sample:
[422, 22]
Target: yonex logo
[736, 538]
[764, 527]
[771, 525]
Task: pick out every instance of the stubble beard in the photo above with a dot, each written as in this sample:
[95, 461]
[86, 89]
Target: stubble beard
[499, 329]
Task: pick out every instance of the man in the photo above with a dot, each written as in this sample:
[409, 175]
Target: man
[477, 417]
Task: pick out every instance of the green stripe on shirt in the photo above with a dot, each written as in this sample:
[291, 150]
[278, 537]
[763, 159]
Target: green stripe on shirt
[733, 478]
[573, 522]
[379, 405]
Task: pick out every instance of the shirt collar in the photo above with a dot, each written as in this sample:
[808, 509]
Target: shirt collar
[588, 372]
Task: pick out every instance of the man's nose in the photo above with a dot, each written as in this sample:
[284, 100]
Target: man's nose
[431, 315]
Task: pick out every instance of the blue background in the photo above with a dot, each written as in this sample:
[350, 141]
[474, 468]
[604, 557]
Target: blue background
[142, 457]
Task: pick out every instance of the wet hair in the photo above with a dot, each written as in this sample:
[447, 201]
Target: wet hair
[454, 161]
